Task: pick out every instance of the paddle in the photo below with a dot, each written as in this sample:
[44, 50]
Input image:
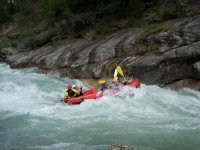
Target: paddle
[119, 69]
[115, 73]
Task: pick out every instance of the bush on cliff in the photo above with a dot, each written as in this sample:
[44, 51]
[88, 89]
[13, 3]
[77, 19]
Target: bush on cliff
[102, 16]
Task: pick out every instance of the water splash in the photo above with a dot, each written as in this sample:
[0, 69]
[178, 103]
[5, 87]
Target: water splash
[32, 116]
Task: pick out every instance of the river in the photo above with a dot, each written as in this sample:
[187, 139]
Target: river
[33, 117]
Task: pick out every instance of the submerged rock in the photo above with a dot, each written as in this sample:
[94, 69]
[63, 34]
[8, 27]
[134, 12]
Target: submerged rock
[121, 147]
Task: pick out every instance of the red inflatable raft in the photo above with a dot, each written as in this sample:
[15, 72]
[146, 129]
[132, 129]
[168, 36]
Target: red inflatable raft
[93, 93]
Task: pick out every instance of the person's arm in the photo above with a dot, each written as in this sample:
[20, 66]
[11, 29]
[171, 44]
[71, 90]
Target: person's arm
[66, 95]
[100, 88]
[76, 91]
[125, 83]
[81, 89]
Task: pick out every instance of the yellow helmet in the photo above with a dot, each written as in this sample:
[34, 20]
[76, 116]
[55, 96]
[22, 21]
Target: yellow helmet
[101, 82]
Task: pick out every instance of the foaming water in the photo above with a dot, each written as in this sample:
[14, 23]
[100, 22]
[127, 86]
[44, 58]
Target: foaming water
[32, 116]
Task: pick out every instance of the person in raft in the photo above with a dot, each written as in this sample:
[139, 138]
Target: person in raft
[122, 81]
[102, 85]
[72, 91]
[69, 93]
[77, 91]
[115, 83]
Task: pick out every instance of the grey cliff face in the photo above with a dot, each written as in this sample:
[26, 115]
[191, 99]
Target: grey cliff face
[160, 57]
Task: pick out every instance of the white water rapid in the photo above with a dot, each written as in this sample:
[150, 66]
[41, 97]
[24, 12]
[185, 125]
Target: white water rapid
[33, 117]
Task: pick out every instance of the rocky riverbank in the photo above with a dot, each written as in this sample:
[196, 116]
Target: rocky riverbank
[165, 54]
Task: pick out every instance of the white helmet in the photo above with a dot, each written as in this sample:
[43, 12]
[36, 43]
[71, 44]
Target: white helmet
[74, 86]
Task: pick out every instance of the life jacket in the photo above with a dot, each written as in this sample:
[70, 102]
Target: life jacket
[104, 86]
[71, 93]
[77, 92]
[66, 95]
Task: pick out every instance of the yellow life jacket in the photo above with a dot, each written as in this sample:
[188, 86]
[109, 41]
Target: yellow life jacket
[76, 91]
[66, 95]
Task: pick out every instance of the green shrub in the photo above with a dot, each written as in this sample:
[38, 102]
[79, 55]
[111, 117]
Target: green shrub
[23, 6]
[6, 11]
[8, 8]
[58, 8]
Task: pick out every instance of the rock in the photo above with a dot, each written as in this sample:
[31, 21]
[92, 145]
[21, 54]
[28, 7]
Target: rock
[84, 55]
[5, 52]
[49, 56]
[41, 39]
[130, 45]
[186, 83]
[1, 59]
[160, 57]
[197, 69]
[167, 56]
[193, 9]
[91, 82]
[35, 41]
[91, 35]
[9, 51]
[184, 51]
[97, 70]
[197, 66]
[121, 147]
[164, 48]
[106, 50]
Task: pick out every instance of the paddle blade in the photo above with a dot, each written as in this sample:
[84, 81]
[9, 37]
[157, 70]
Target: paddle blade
[115, 73]
[119, 69]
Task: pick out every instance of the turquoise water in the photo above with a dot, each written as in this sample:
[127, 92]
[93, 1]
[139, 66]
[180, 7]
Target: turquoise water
[32, 116]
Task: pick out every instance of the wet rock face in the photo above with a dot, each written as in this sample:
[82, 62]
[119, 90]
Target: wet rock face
[160, 57]
[5, 52]
[192, 83]
[106, 50]
[185, 34]
[36, 41]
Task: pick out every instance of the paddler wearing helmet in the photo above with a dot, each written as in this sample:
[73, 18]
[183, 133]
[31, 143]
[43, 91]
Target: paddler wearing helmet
[76, 90]
[102, 85]
[118, 78]
[69, 93]
[115, 83]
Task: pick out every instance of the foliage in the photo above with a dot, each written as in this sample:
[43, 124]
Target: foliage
[8, 8]
[5, 11]
[57, 8]
[23, 6]
[158, 15]
[107, 14]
